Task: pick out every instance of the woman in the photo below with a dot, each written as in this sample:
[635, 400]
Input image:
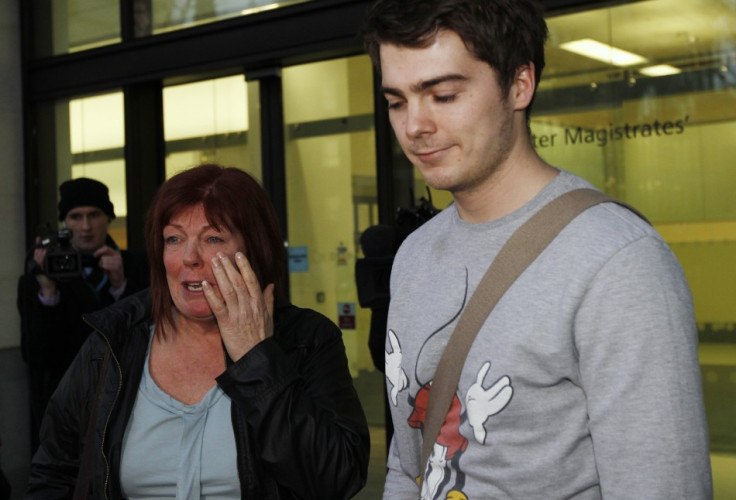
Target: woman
[211, 385]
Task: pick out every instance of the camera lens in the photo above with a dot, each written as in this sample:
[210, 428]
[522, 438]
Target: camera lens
[63, 263]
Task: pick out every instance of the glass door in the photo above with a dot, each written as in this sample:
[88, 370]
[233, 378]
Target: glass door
[331, 200]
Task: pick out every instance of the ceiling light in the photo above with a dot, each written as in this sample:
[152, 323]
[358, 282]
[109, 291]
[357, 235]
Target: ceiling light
[603, 52]
[660, 70]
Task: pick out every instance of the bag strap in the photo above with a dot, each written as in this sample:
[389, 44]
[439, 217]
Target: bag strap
[520, 250]
[81, 489]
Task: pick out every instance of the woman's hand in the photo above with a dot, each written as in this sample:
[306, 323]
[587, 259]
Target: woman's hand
[243, 312]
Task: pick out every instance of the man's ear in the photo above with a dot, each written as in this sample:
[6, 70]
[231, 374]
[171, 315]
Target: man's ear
[524, 86]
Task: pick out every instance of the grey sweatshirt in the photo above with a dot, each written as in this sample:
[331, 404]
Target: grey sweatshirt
[583, 383]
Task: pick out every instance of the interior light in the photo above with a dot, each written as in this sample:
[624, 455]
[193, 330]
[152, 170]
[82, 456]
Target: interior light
[660, 70]
[603, 52]
[262, 8]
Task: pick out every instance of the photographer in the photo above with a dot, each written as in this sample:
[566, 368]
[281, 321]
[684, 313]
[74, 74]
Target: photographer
[80, 270]
[372, 278]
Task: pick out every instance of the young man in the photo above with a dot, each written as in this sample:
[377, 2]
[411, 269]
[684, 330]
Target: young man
[51, 307]
[584, 381]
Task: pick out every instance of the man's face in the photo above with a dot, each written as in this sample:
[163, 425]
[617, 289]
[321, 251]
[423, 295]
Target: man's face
[89, 227]
[448, 112]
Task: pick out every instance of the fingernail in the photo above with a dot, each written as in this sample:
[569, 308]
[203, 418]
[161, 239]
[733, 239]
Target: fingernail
[215, 262]
[239, 255]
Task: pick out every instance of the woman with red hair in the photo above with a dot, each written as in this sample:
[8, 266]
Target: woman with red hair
[210, 384]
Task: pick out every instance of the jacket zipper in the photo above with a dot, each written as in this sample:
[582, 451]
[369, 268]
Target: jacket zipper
[109, 413]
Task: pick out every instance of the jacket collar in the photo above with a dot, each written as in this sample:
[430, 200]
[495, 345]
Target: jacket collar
[122, 315]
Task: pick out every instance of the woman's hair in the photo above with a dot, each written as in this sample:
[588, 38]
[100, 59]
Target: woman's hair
[231, 199]
[506, 34]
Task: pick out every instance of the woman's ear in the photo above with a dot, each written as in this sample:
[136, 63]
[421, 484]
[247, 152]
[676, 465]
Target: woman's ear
[524, 86]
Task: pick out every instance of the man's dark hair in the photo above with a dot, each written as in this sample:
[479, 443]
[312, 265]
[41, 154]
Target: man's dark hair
[506, 34]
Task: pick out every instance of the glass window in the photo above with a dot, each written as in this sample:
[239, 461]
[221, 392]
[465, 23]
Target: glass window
[171, 15]
[82, 137]
[640, 99]
[331, 200]
[207, 121]
[62, 26]
[331, 182]
[97, 138]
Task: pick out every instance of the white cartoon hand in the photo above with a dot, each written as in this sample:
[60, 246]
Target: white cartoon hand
[435, 471]
[394, 373]
[482, 403]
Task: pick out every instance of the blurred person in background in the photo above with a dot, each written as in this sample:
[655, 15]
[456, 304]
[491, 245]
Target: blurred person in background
[57, 289]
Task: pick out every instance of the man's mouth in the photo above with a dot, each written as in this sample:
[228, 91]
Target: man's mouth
[427, 154]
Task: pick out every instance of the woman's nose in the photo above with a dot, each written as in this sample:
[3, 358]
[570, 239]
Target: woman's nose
[192, 256]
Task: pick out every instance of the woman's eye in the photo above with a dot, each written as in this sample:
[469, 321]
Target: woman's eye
[214, 239]
[170, 240]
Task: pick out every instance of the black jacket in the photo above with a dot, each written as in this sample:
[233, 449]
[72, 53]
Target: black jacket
[299, 426]
[51, 336]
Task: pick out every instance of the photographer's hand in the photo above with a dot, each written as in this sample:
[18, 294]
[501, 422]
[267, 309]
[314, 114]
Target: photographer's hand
[46, 284]
[111, 261]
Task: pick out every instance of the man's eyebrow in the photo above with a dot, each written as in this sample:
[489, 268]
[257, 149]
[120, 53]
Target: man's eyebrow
[426, 84]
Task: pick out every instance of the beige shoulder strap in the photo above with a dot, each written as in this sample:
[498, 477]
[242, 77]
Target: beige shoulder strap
[514, 257]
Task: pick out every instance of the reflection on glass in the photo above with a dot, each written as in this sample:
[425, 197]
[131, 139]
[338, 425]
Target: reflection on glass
[208, 121]
[95, 144]
[63, 26]
[331, 200]
[331, 183]
[640, 99]
[176, 14]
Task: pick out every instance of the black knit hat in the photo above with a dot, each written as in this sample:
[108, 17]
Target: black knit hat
[84, 192]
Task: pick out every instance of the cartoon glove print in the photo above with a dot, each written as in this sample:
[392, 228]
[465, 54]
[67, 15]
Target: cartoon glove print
[483, 403]
[394, 373]
[436, 469]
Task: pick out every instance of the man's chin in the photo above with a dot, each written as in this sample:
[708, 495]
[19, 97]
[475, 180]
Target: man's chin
[87, 247]
[439, 183]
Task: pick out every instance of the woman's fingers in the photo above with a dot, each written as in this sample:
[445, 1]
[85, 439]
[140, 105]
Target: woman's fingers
[228, 280]
[216, 303]
[268, 296]
[244, 313]
[249, 276]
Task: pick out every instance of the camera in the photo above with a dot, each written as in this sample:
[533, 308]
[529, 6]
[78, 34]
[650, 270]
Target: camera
[63, 260]
[379, 244]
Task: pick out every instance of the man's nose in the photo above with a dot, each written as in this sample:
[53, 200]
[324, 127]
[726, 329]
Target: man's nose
[419, 120]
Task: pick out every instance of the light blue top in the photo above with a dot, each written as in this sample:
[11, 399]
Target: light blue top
[174, 450]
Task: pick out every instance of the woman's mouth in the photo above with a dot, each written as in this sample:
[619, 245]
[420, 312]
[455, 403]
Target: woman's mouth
[194, 286]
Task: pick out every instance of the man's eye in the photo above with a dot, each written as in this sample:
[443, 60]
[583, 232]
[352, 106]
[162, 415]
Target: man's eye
[445, 98]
